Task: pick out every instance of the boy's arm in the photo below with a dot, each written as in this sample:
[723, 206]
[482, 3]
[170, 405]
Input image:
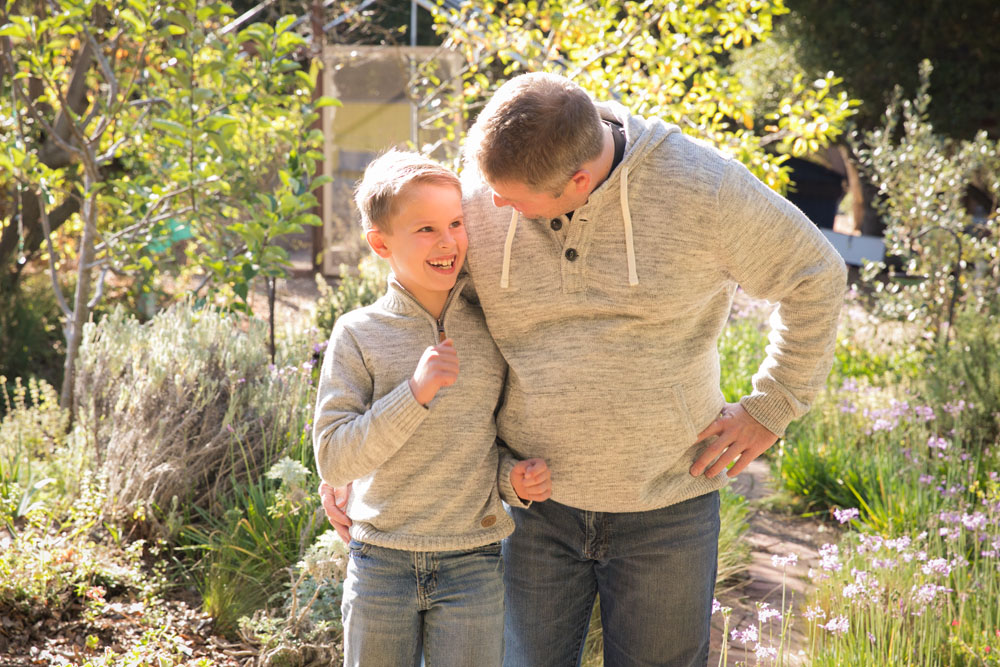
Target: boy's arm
[351, 439]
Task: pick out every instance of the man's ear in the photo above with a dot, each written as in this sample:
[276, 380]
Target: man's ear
[376, 240]
[581, 181]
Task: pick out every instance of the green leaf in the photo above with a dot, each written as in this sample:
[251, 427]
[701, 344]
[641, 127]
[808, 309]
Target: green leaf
[240, 289]
[170, 126]
[326, 102]
[284, 23]
[179, 19]
[13, 30]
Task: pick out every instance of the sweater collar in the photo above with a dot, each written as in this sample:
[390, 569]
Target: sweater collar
[399, 300]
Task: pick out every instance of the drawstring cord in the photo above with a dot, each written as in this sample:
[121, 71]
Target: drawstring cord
[508, 244]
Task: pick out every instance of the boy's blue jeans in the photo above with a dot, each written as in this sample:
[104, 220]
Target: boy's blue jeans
[654, 571]
[446, 606]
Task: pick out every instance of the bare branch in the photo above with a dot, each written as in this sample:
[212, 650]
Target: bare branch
[52, 261]
[100, 289]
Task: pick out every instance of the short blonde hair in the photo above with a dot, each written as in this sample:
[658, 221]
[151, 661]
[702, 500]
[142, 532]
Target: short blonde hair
[538, 129]
[386, 180]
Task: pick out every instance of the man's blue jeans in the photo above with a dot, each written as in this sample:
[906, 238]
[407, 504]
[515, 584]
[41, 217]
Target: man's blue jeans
[444, 605]
[654, 572]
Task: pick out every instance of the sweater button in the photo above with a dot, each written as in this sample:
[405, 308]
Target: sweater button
[572, 254]
[488, 521]
[556, 224]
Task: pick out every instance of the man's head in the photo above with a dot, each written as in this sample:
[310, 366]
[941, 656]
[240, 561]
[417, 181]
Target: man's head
[532, 139]
[411, 210]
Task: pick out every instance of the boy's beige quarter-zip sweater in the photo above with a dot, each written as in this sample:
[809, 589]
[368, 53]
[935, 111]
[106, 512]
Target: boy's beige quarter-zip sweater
[610, 323]
[425, 478]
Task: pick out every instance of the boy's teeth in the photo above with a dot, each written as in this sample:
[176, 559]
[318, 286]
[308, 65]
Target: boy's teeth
[443, 263]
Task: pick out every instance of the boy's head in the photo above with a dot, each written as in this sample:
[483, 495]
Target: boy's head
[537, 131]
[411, 209]
[389, 179]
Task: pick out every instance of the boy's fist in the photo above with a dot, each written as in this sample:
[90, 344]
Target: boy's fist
[437, 368]
[531, 480]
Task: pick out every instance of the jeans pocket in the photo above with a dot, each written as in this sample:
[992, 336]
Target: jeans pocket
[358, 549]
[492, 549]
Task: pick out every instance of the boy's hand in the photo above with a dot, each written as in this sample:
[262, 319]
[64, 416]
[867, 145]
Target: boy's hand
[438, 367]
[531, 480]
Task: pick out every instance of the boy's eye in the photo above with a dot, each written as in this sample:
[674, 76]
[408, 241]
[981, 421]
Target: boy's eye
[425, 229]
[456, 223]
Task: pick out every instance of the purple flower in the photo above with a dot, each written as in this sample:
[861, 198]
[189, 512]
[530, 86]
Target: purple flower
[784, 561]
[976, 521]
[937, 565]
[830, 558]
[765, 652]
[838, 626]
[926, 479]
[747, 636]
[843, 516]
[925, 412]
[936, 442]
[813, 613]
[765, 612]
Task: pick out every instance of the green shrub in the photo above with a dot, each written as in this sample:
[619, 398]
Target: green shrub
[32, 451]
[31, 336]
[185, 405]
[922, 176]
[352, 292]
[964, 378]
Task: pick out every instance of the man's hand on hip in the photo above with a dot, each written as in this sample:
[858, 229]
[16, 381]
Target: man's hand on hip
[741, 439]
[334, 501]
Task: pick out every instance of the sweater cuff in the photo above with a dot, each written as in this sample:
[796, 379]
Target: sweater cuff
[507, 493]
[401, 412]
[772, 411]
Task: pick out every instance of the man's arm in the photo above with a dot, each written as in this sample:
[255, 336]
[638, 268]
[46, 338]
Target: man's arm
[774, 252]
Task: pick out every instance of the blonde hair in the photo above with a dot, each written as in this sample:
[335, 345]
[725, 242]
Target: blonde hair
[538, 129]
[386, 180]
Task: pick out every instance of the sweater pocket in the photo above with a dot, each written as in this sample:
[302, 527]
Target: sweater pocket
[627, 423]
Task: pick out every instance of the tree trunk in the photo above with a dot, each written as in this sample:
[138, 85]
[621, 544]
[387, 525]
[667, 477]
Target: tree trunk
[863, 193]
[81, 299]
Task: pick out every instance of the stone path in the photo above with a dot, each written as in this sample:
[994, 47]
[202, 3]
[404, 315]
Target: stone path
[771, 533]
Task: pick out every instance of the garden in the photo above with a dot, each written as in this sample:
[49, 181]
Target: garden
[158, 494]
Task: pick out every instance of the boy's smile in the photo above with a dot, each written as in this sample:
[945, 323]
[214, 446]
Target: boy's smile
[425, 242]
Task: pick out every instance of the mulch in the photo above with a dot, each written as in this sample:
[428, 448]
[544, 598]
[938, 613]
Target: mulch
[58, 635]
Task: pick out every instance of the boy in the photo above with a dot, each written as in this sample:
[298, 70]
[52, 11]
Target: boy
[394, 414]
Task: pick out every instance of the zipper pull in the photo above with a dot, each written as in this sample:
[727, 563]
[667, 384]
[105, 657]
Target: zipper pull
[441, 335]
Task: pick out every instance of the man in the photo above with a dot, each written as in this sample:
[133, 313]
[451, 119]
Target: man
[605, 249]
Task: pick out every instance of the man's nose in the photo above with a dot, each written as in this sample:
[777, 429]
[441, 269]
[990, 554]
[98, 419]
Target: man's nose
[499, 201]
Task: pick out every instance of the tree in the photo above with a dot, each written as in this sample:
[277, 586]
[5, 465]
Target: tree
[660, 58]
[876, 46]
[156, 129]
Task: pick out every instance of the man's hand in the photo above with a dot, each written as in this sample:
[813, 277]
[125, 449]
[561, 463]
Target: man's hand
[437, 368]
[334, 501]
[531, 480]
[741, 439]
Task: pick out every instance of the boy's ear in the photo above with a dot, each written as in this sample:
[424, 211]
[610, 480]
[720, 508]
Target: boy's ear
[377, 243]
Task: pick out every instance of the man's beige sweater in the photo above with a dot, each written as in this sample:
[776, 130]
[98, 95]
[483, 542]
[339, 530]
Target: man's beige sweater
[425, 478]
[610, 323]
